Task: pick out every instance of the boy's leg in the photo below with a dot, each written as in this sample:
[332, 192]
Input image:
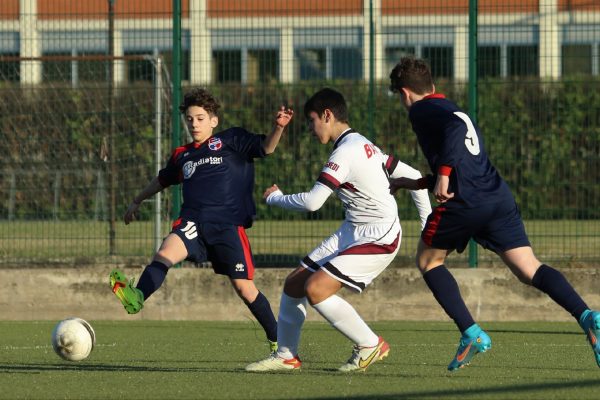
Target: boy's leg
[525, 265]
[473, 339]
[368, 347]
[131, 297]
[259, 306]
[447, 293]
[555, 285]
[530, 270]
[445, 289]
[152, 278]
[171, 251]
[261, 309]
[292, 313]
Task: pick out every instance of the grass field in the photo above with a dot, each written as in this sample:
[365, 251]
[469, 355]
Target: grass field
[205, 360]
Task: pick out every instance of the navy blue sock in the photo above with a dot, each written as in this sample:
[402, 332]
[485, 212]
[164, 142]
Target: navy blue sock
[555, 285]
[261, 309]
[152, 278]
[445, 290]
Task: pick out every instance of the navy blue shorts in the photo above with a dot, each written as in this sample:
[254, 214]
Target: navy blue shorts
[497, 227]
[226, 246]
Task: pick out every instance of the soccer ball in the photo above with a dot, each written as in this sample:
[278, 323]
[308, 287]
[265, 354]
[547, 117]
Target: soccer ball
[73, 339]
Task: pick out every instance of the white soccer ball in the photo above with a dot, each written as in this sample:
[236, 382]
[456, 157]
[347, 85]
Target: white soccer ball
[73, 339]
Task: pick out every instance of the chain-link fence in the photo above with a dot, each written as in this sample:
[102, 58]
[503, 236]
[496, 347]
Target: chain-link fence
[86, 111]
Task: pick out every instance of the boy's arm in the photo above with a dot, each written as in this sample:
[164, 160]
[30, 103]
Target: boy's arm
[284, 116]
[307, 201]
[150, 190]
[419, 195]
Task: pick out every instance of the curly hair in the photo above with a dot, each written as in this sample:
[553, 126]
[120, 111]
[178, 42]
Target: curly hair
[411, 73]
[201, 98]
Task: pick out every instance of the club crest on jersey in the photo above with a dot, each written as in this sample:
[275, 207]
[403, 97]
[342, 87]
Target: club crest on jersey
[214, 143]
[188, 169]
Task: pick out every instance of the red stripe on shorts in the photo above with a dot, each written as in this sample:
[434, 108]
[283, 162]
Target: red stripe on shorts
[433, 224]
[372, 248]
[247, 251]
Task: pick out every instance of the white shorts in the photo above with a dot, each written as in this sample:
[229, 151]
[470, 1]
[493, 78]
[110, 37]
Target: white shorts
[356, 254]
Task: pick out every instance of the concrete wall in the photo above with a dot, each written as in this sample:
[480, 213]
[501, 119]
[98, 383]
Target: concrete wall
[199, 294]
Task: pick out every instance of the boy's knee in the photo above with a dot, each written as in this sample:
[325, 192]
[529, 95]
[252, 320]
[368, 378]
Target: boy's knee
[245, 289]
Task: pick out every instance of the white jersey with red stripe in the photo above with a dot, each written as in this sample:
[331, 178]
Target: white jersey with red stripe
[369, 238]
[358, 171]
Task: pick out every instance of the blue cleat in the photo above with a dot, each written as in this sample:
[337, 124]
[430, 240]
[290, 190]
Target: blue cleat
[590, 323]
[474, 340]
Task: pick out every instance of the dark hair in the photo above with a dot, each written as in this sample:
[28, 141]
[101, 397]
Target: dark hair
[411, 73]
[201, 98]
[327, 99]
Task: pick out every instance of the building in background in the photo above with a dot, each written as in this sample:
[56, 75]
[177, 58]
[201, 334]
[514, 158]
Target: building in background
[251, 41]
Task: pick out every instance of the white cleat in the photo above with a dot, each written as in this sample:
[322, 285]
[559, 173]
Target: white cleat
[275, 363]
[362, 357]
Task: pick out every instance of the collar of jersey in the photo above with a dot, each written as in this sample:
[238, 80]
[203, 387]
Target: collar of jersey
[342, 136]
[434, 96]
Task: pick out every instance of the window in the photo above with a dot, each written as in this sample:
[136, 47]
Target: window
[311, 64]
[227, 66]
[329, 63]
[441, 61]
[576, 59]
[522, 60]
[139, 69]
[394, 54]
[262, 66]
[10, 70]
[346, 63]
[488, 61]
[185, 63]
[56, 70]
[245, 66]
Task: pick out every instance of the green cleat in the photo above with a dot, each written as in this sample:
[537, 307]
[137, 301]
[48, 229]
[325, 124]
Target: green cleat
[132, 298]
[272, 346]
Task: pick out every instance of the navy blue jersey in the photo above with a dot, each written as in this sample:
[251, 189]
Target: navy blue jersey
[448, 138]
[217, 177]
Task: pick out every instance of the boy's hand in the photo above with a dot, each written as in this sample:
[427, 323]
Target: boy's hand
[403, 183]
[440, 191]
[284, 116]
[270, 190]
[130, 213]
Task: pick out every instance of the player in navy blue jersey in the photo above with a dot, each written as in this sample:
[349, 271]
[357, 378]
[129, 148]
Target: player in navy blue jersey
[474, 202]
[216, 171]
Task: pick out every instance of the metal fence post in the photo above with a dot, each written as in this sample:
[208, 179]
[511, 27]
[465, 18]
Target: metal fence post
[473, 109]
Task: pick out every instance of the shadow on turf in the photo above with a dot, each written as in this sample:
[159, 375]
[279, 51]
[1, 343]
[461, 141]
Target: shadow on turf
[514, 390]
[38, 368]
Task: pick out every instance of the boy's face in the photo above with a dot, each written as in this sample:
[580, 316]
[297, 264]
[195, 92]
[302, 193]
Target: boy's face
[200, 123]
[319, 126]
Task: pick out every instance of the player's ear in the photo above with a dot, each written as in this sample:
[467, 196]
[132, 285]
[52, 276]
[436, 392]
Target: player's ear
[405, 94]
[328, 115]
[214, 121]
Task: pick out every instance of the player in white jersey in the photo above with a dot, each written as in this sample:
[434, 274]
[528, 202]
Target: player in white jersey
[364, 245]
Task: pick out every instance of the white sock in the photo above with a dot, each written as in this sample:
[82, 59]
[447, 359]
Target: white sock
[343, 317]
[292, 313]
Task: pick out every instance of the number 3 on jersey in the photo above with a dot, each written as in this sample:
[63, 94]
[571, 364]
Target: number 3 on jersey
[471, 139]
